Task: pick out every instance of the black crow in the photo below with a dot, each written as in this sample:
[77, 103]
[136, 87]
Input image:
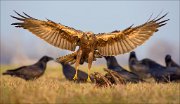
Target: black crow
[148, 68]
[137, 67]
[70, 71]
[32, 71]
[172, 66]
[170, 63]
[112, 64]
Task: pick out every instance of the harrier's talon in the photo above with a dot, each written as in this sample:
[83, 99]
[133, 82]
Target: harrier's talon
[75, 76]
[89, 79]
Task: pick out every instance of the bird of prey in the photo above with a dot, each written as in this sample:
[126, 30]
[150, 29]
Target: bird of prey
[30, 72]
[107, 44]
[112, 64]
[170, 63]
[147, 68]
[70, 71]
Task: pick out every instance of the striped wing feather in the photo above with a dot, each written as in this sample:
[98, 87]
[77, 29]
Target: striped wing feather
[55, 34]
[120, 42]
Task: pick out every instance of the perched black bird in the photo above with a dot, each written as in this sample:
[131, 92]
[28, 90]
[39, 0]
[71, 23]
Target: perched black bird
[148, 68]
[170, 63]
[32, 71]
[137, 67]
[70, 71]
[172, 66]
[112, 64]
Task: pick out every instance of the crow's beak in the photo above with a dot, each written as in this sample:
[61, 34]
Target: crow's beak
[50, 58]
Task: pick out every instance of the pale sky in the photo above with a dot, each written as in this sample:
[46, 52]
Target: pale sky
[95, 16]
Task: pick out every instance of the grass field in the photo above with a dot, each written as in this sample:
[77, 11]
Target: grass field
[53, 88]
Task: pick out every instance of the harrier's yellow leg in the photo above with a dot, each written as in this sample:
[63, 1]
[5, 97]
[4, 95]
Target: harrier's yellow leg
[89, 79]
[76, 74]
[76, 68]
[77, 64]
[90, 60]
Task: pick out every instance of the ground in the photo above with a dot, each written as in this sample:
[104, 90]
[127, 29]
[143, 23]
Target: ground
[53, 88]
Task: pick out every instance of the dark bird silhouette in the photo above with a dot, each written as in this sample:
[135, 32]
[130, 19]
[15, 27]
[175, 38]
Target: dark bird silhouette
[107, 44]
[172, 66]
[70, 71]
[32, 71]
[137, 67]
[170, 63]
[112, 64]
[147, 68]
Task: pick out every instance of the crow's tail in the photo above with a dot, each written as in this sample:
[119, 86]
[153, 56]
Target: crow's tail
[8, 72]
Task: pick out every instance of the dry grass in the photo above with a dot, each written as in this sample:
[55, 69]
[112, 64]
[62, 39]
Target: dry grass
[53, 88]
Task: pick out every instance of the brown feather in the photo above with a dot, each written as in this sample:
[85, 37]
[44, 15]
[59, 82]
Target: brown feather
[66, 44]
[55, 42]
[110, 49]
[120, 48]
[58, 41]
[130, 43]
[49, 31]
[129, 38]
[113, 50]
[124, 46]
[114, 43]
[116, 48]
[53, 37]
[61, 42]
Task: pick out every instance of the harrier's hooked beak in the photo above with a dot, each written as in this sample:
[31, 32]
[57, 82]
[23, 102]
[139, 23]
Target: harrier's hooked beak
[88, 35]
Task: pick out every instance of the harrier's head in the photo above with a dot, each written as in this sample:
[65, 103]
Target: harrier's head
[89, 35]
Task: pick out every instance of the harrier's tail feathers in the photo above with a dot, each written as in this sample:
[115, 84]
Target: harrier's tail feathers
[68, 58]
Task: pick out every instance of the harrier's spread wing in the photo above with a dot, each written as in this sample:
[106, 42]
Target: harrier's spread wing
[56, 34]
[119, 42]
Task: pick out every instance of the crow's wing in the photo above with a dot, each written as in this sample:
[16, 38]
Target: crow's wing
[120, 42]
[31, 71]
[56, 34]
[13, 71]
